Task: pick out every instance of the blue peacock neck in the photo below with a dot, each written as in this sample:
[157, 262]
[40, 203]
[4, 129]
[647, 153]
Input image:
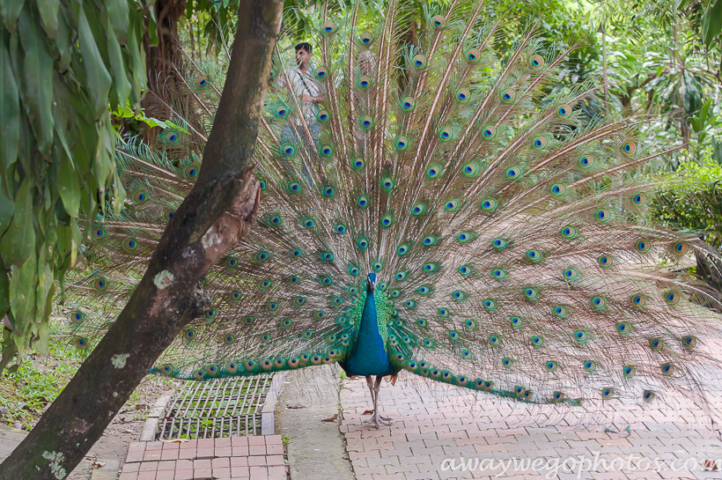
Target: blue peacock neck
[369, 355]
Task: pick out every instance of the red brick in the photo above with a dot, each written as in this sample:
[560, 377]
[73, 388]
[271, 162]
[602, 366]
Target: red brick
[277, 473]
[171, 446]
[223, 451]
[201, 464]
[166, 466]
[205, 443]
[151, 455]
[240, 451]
[148, 467]
[189, 444]
[239, 461]
[165, 475]
[134, 457]
[202, 473]
[221, 463]
[239, 441]
[184, 465]
[183, 475]
[146, 475]
[240, 471]
[131, 467]
[274, 460]
[128, 476]
[257, 450]
[274, 449]
[223, 442]
[153, 446]
[256, 440]
[259, 473]
[137, 447]
[274, 440]
[256, 461]
[187, 453]
[170, 454]
[204, 453]
[222, 473]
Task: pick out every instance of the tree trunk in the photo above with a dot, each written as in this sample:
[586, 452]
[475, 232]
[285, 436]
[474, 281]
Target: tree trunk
[161, 58]
[217, 213]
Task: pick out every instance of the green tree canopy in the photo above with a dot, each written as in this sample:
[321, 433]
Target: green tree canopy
[63, 64]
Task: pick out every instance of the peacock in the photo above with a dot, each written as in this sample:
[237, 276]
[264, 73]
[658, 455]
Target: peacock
[443, 209]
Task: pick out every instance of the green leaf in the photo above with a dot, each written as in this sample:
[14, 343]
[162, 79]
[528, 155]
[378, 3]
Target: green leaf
[96, 75]
[64, 44]
[712, 22]
[10, 11]
[104, 159]
[7, 207]
[717, 150]
[18, 243]
[119, 194]
[68, 186]
[9, 111]
[121, 84]
[152, 28]
[138, 64]
[22, 296]
[119, 16]
[49, 16]
[38, 81]
[4, 293]
[44, 284]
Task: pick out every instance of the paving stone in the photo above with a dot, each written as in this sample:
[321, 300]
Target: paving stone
[430, 426]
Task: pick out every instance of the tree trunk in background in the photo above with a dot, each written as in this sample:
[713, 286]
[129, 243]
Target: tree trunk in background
[217, 213]
[163, 61]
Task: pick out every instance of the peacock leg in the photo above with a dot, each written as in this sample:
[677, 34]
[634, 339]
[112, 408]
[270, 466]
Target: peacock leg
[374, 388]
[378, 417]
[370, 384]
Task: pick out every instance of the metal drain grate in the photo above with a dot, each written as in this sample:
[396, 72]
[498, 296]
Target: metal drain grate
[216, 408]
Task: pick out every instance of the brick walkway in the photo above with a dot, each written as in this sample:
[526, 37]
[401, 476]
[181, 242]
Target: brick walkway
[450, 424]
[257, 458]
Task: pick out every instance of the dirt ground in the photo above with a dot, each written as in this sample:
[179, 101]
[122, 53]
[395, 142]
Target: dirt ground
[107, 455]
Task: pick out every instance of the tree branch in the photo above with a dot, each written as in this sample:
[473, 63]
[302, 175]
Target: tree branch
[217, 213]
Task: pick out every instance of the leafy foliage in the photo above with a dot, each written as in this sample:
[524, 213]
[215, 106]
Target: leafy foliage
[693, 201]
[62, 62]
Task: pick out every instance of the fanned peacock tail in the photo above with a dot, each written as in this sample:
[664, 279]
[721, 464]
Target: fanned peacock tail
[504, 222]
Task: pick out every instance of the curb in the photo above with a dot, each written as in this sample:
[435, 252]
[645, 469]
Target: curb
[150, 429]
[268, 419]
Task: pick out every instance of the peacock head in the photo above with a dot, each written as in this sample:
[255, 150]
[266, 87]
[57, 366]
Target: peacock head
[371, 282]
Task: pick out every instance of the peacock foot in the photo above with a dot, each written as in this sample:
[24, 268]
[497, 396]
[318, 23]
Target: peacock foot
[377, 420]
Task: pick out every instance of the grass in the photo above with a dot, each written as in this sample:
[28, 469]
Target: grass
[25, 393]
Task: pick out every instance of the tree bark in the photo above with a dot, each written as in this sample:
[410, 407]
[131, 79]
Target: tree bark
[217, 213]
[163, 61]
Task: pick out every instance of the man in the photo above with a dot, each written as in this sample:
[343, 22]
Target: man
[307, 91]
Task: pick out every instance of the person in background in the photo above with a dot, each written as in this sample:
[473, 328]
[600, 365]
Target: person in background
[308, 92]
